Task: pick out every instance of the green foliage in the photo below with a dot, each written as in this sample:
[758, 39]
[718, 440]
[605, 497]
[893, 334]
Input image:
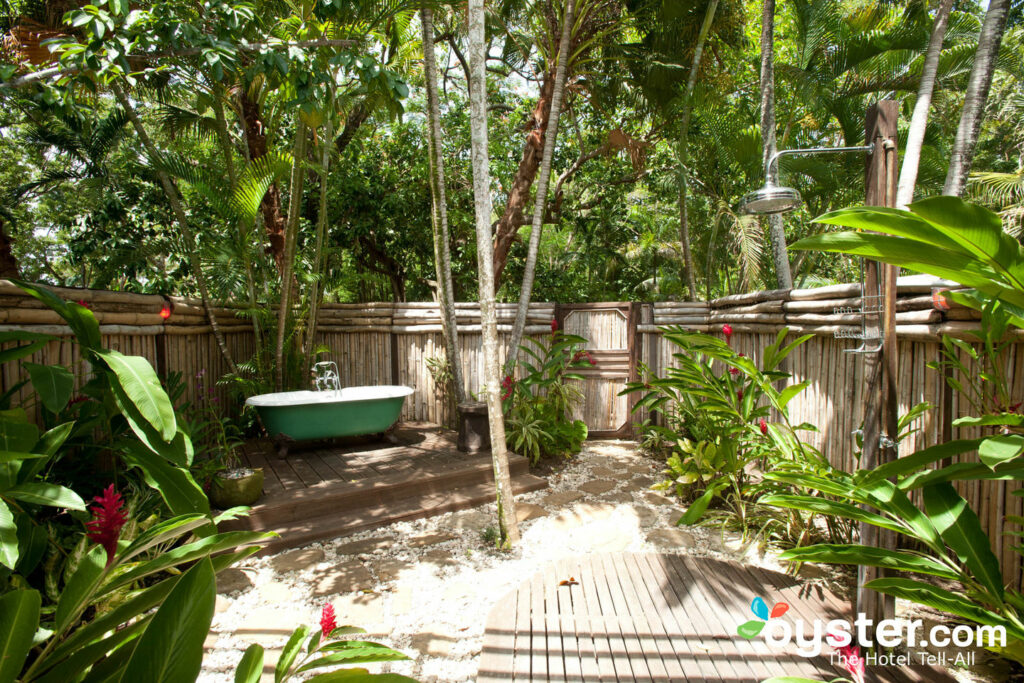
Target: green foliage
[538, 407]
[715, 404]
[309, 649]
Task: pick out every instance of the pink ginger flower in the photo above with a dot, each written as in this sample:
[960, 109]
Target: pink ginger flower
[327, 620]
[853, 662]
[507, 385]
[107, 519]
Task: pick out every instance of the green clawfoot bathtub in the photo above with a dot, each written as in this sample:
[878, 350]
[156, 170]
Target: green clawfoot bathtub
[306, 415]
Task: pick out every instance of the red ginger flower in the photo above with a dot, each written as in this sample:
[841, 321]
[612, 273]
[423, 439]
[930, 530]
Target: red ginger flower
[554, 326]
[763, 426]
[853, 662]
[507, 385]
[739, 394]
[727, 331]
[84, 304]
[584, 356]
[107, 519]
[734, 371]
[327, 620]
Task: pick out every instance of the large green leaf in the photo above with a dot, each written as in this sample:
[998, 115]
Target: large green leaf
[43, 493]
[699, 506]
[175, 485]
[917, 460]
[79, 318]
[353, 652]
[53, 383]
[1001, 448]
[961, 529]
[17, 435]
[885, 496]
[171, 649]
[902, 560]
[250, 669]
[72, 667]
[289, 653]
[80, 588]
[178, 450]
[19, 620]
[8, 537]
[833, 508]
[184, 554]
[943, 600]
[35, 342]
[140, 384]
[360, 676]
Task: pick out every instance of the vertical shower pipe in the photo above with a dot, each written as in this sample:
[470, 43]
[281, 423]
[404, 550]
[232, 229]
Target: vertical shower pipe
[880, 370]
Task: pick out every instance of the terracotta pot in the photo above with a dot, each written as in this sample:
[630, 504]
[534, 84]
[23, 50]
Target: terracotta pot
[232, 491]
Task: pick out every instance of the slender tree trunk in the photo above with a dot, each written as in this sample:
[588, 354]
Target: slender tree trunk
[439, 214]
[507, 524]
[290, 238]
[507, 227]
[776, 230]
[174, 199]
[541, 198]
[684, 152]
[919, 119]
[974, 99]
[321, 230]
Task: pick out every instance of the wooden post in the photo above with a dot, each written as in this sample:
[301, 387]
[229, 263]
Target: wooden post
[880, 371]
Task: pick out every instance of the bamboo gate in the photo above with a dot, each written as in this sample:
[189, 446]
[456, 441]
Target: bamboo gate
[390, 343]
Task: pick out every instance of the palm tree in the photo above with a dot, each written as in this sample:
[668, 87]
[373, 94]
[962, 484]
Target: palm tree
[541, 200]
[783, 275]
[439, 214]
[507, 525]
[919, 119]
[989, 39]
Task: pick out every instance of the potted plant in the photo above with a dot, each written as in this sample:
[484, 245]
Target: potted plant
[227, 482]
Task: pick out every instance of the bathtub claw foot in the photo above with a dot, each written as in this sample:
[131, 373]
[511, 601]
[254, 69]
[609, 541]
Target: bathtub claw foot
[282, 442]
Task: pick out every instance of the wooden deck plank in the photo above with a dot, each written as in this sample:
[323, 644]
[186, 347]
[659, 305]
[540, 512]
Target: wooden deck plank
[607, 621]
[302, 469]
[744, 591]
[574, 648]
[670, 641]
[557, 647]
[645, 631]
[605, 660]
[271, 484]
[693, 607]
[538, 630]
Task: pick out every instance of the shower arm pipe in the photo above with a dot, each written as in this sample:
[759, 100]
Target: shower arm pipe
[771, 169]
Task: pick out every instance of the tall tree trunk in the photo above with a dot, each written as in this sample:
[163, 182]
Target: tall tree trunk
[919, 119]
[507, 525]
[439, 214]
[178, 209]
[984, 66]
[321, 229]
[541, 198]
[290, 238]
[274, 222]
[507, 227]
[776, 230]
[357, 116]
[684, 152]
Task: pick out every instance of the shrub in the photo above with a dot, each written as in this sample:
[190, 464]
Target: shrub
[538, 407]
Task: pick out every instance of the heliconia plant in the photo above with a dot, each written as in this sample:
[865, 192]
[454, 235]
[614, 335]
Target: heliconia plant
[309, 649]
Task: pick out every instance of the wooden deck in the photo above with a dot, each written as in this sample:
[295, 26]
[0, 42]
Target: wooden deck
[652, 617]
[334, 489]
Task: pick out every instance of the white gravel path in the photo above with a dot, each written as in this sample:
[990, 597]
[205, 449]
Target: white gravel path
[426, 587]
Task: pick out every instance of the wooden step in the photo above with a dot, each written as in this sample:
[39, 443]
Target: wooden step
[353, 497]
[323, 522]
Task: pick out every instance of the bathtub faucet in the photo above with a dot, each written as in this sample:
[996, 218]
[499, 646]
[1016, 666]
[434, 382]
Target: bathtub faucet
[325, 376]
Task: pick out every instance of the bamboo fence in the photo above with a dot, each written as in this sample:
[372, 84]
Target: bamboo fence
[389, 343]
